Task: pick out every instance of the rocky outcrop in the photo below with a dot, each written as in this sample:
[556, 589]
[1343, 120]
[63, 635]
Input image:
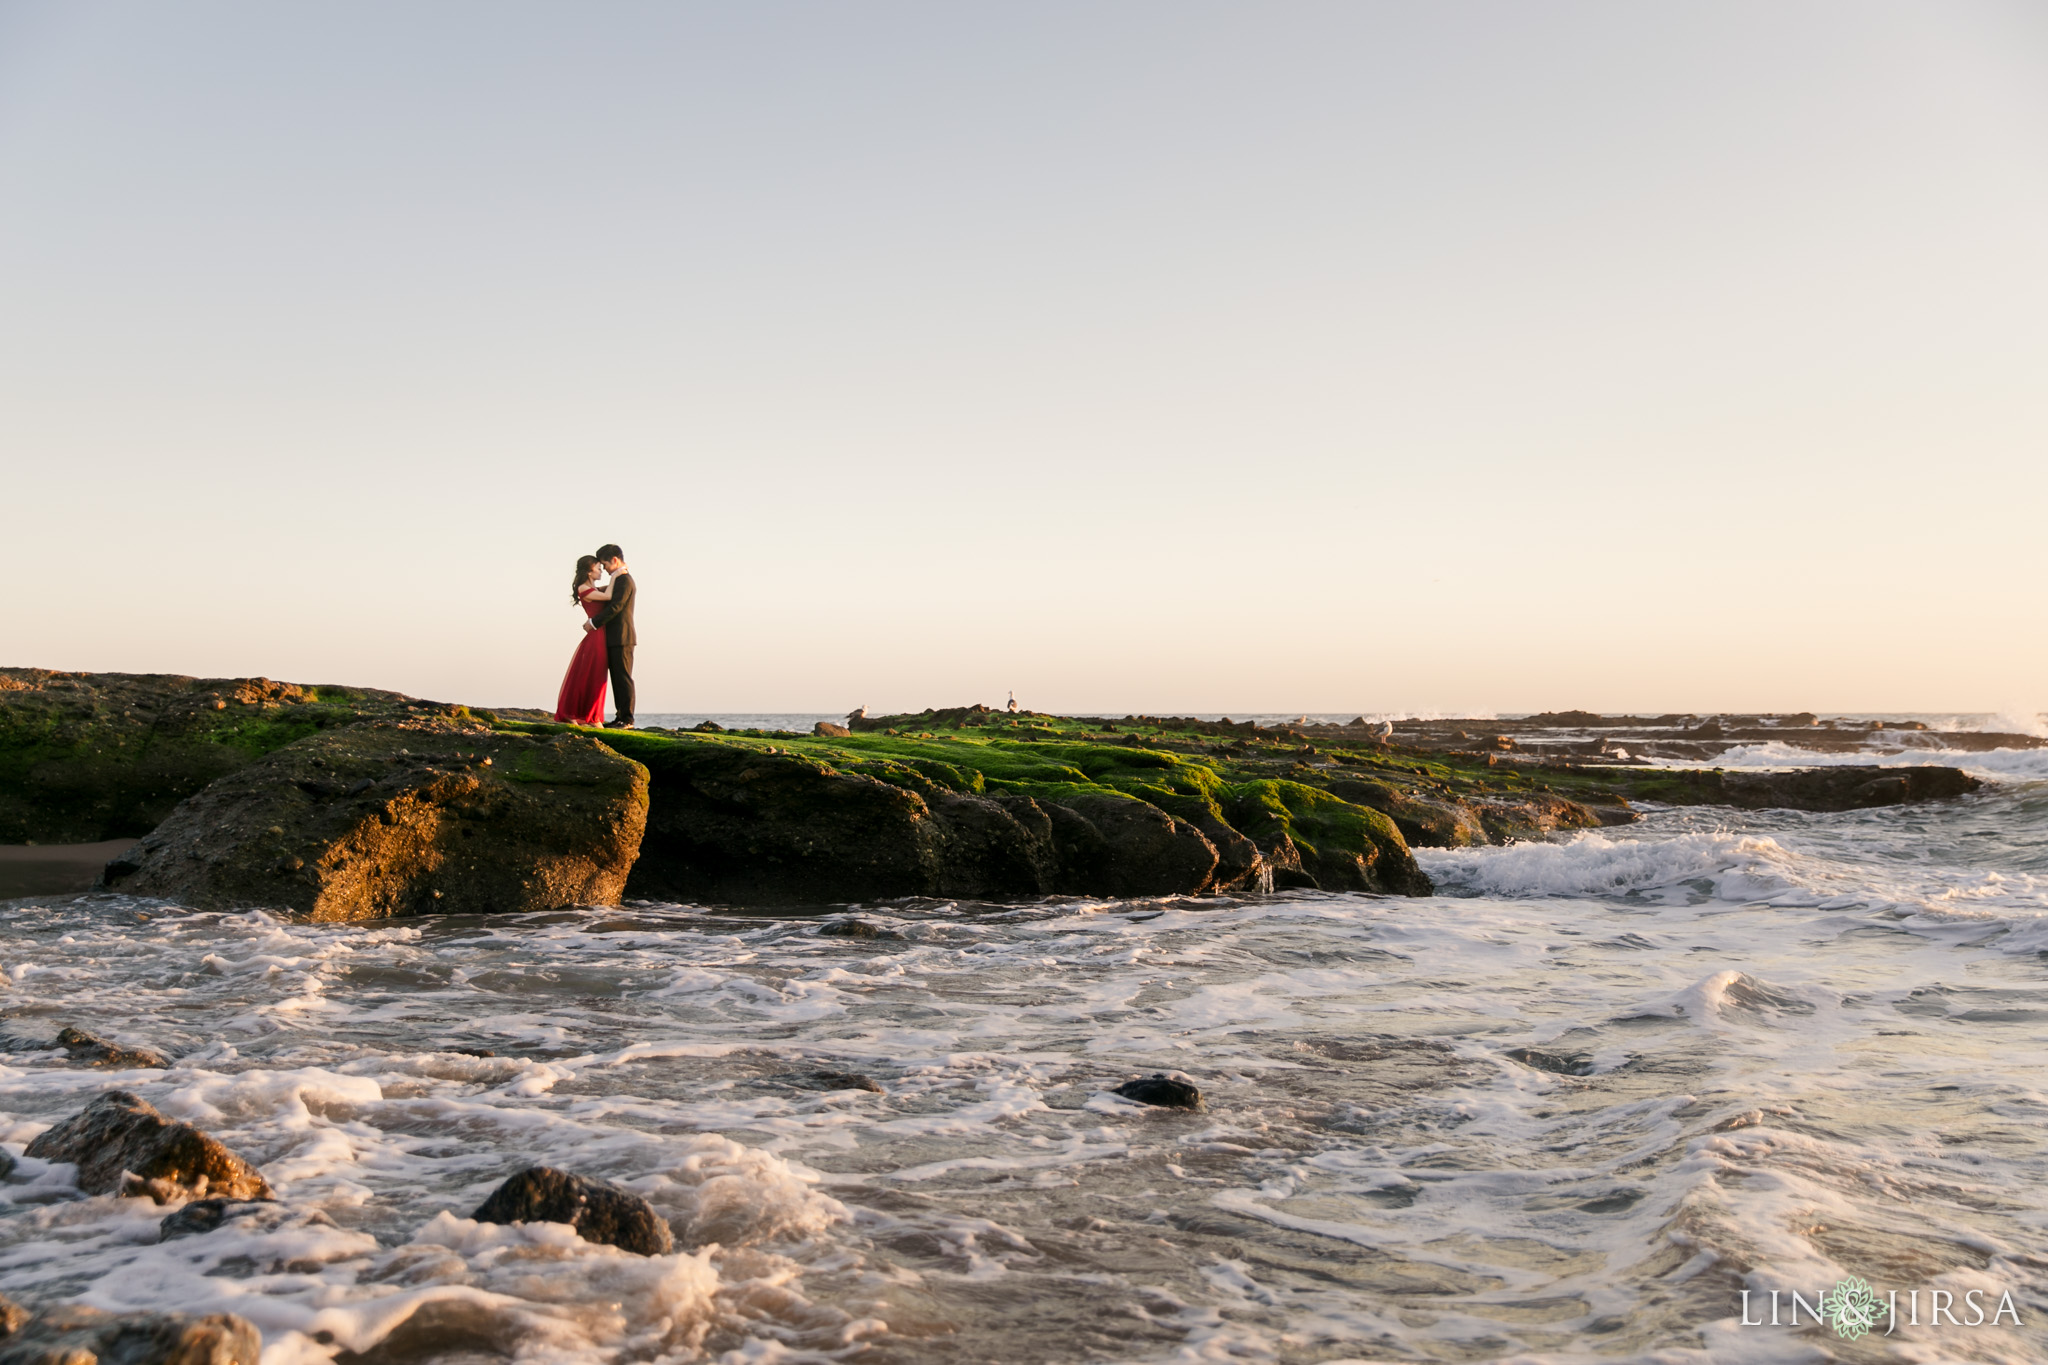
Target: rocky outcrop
[399, 818]
[744, 825]
[122, 1145]
[599, 1210]
[73, 1334]
[92, 756]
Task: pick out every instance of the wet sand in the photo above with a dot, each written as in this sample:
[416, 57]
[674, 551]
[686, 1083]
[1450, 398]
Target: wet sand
[53, 869]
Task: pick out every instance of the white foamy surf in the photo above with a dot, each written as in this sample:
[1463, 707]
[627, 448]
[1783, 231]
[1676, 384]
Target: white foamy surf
[1565, 1111]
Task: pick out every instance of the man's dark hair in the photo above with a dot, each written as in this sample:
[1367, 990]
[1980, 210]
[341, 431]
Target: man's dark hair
[607, 553]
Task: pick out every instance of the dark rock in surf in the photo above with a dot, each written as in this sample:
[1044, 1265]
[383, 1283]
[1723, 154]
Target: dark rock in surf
[854, 928]
[122, 1145]
[199, 1217]
[838, 1080]
[1558, 1063]
[87, 1050]
[599, 1210]
[72, 1334]
[1162, 1091]
[455, 820]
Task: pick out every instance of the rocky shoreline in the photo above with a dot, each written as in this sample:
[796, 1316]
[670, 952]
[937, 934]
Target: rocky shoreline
[351, 803]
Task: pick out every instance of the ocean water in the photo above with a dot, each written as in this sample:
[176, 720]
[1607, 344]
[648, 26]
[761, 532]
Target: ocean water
[1567, 1110]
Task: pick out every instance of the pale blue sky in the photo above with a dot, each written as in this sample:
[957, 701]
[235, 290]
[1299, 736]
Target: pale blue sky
[1160, 356]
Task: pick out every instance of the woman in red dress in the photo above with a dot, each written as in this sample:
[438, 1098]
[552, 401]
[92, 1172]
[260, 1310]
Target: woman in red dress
[582, 698]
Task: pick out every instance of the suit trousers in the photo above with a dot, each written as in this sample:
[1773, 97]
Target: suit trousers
[620, 658]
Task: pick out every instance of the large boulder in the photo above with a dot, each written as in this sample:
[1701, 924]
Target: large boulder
[86, 757]
[1113, 845]
[746, 825]
[399, 818]
[73, 1334]
[122, 1145]
[599, 1210]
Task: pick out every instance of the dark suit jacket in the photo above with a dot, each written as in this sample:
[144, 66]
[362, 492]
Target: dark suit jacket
[616, 618]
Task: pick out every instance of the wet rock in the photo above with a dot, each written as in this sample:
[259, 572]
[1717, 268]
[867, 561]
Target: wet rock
[12, 1316]
[1558, 1063]
[831, 729]
[1161, 1090]
[599, 1210]
[206, 1215]
[854, 928]
[73, 1334]
[122, 1145]
[838, 1080]
[7, 1164]
[97, 1052]
[455, 820]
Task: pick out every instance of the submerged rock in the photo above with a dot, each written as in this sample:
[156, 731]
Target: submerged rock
[121, 1144]
[73, 1334]
[599, 1210]
[1559, 1063]
[394, 819]
[202, 1216]
[833, 1080]
[1163, 1091]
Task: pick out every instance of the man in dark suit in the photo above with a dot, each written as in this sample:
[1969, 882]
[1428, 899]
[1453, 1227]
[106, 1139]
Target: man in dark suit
[616, 621]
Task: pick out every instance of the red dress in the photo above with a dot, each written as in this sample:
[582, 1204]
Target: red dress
[582, 698]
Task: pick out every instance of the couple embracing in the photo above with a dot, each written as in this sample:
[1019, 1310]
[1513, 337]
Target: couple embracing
[607, 647]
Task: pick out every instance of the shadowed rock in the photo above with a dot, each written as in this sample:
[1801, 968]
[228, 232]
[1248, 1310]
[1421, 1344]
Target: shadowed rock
[599, 1210]
[122, 1145]
[396, 819]
[1163, 1091]
[73, 1334]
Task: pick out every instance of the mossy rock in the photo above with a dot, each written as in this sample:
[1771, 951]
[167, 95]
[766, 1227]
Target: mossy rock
[92, 756]
[388, 818]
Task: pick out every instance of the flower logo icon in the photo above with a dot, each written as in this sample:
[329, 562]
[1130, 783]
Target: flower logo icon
[1851, 1308]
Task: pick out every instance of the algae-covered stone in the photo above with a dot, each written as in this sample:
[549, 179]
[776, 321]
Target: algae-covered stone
[121, 1144]
[385, 819]
[92, 756]
[1342, 846]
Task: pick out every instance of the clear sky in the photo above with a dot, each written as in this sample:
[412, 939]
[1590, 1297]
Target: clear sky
[1171, 357]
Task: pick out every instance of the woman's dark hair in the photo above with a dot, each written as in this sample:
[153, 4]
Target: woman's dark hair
[583, 567]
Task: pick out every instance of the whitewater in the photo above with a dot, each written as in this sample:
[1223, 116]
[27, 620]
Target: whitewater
[1569, 1109]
